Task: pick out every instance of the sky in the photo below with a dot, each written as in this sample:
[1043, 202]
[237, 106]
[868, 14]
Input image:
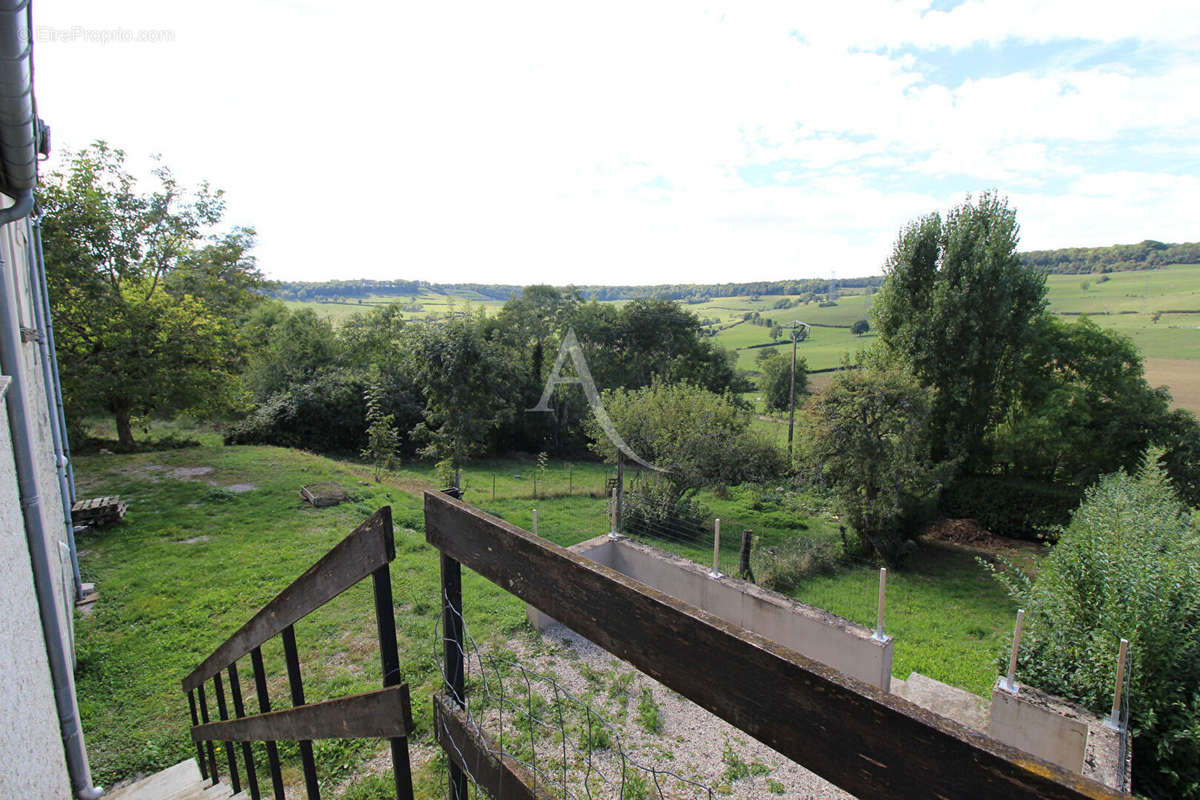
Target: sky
[636, 142]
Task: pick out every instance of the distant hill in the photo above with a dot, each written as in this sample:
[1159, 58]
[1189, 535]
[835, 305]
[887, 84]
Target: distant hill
[1070, 260]
[684, 292]
[1116, 258]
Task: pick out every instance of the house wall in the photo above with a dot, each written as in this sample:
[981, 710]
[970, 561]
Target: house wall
[31, 754]
[32, 763]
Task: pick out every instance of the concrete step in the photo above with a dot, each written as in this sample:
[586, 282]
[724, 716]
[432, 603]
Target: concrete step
[171, 781]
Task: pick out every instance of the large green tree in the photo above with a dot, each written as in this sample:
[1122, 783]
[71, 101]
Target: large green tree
[957, 305]
[145, 313]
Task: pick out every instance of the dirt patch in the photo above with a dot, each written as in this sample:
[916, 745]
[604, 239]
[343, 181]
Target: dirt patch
[238, 488]
[195, 540]
[190, 473]
[959, 531]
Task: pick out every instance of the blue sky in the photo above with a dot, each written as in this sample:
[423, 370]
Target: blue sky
[636, 142]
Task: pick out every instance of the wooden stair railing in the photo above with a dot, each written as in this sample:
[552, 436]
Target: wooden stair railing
[384, 713]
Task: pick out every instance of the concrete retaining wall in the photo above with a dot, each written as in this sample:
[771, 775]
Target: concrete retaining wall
[1039, 724]
[817, 634]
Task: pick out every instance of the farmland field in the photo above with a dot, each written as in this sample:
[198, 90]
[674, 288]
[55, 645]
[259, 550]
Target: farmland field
[1128, 302]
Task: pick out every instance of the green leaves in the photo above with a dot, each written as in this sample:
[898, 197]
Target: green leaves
[1127, 566]
[956, 306]
[126, 343]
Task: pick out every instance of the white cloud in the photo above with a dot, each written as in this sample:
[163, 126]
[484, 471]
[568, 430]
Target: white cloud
[525, 142]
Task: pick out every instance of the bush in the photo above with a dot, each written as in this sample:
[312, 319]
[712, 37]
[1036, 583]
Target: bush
[649, 509]
[1127, 565]
[1011, 506]
[325, 414]
[784, 567]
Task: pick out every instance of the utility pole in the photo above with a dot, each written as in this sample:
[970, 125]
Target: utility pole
[796, 328]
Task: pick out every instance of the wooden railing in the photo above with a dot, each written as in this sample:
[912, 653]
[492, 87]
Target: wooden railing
[865, 740]
[385, 713]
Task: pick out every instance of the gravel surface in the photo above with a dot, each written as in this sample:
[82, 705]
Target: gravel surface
[693, 744]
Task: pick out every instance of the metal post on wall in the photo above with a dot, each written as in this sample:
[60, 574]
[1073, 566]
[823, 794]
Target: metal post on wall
[454, 651]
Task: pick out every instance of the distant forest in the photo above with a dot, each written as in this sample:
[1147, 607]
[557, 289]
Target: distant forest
[1070, 260]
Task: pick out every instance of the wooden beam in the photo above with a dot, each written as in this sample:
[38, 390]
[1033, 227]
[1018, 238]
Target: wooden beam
[501, 776]
[370, 546]
[867, 741]
[383, 714]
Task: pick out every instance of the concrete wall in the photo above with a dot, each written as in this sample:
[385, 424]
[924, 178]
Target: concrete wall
[814, 633]
[1039, 724]
[31, 754]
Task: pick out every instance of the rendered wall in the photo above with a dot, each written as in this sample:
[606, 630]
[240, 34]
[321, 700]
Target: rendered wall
[31, 754]
[814, 633]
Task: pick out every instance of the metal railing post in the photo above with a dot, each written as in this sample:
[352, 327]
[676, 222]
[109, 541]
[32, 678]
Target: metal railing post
[199, 747]
[264, 706]
[221, 711]
[297, 687]
[239, 711]
[213, 774]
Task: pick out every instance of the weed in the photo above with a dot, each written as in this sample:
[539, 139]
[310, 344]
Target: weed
[635, 786]
[648, 715]
[736, 768]
[774, 786]
[619, 686]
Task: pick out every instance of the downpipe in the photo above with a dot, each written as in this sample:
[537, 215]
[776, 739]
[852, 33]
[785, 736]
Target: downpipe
[41, 315]
[11, 363]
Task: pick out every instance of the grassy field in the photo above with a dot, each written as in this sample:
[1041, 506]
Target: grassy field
[214, 532]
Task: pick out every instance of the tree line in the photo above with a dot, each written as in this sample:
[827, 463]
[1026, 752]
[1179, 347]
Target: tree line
[1148, 254]
[685, 292]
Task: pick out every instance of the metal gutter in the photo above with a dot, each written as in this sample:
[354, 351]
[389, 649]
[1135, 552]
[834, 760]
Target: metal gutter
[41, 316]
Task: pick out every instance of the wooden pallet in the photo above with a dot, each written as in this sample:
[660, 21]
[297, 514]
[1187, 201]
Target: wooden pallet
[98, 511]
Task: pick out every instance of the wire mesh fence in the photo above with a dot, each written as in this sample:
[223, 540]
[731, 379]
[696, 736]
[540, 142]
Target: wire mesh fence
[567, 747]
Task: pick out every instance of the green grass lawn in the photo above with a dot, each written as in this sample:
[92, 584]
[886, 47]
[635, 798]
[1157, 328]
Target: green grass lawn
[195, 559]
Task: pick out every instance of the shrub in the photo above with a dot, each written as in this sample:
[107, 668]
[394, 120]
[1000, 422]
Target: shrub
[1127, 565]
[783, 567]
[650, 510]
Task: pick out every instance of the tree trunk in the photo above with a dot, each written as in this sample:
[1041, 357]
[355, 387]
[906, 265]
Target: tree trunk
[124, 430]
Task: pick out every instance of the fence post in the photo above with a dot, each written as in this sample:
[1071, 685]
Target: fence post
[1114, 721]
[389, 660]
[744, 570]
[716, 570]
[620, 490]
[454, 653]
[612, 512]
[1010, 684]
[882, 600]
